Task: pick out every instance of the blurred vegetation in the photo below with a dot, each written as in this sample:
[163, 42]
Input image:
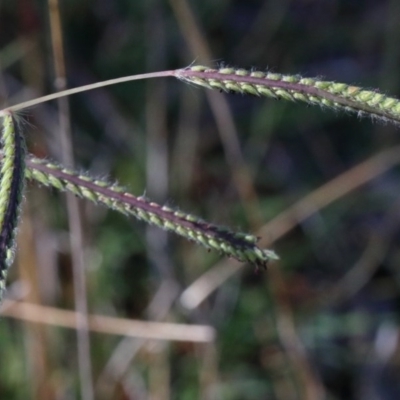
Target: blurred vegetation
[320, 324]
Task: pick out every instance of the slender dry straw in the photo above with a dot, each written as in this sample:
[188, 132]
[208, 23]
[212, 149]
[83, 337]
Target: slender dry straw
[11, 186]
[80, 89]
[73, 212]
[52, 316]
[294, 87]
[237, 245]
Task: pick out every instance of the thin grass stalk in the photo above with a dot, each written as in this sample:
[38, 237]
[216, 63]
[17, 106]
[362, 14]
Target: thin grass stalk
[157, 139]
[85, 88]
[11, 187]
[74, 214]
[148, 330]
[232, 244]
[313, 91]
[39, 365]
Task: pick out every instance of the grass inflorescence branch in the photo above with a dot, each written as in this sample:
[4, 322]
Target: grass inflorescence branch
[294, 87]
[12, 179]
[237, 245]
[313, 91]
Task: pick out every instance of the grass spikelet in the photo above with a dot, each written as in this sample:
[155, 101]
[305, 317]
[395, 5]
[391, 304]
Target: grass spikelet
[240, 246]
[11, 187]
[294, 87]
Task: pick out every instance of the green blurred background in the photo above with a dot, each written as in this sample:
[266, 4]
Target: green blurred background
[322, 323]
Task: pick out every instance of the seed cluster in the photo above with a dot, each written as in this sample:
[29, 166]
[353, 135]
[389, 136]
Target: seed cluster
[294, 87]
[237, 245]
[12, 179]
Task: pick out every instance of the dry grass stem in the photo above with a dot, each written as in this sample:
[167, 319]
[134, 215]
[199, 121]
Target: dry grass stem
[109, 325]
[74, 214]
